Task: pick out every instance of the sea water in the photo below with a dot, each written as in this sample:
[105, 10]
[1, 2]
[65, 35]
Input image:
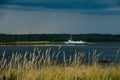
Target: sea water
[107, 50]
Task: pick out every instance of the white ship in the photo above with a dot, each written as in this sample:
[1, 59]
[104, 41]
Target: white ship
[74, 42]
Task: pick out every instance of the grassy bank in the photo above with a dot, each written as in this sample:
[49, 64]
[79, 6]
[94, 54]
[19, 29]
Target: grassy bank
[44, 67]
[27, 43]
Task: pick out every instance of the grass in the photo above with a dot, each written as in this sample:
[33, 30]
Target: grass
[27, 43]
[44, 67]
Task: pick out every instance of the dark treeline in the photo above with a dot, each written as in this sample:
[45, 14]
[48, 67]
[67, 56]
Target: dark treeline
[60, 37]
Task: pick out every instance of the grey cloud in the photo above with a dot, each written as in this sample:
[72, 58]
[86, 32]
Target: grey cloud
[115, 10]
[57, 22]
[67, 4]
[28, 19]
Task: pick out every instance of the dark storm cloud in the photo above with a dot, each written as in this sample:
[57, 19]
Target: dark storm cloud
[65, 4]
[60, 16]
[84, 6]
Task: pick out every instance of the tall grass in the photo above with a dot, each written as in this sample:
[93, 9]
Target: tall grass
[38, 65]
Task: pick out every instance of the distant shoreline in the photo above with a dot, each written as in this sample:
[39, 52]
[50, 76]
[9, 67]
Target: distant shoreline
[27, 43]
[37, 43]
[53, 38]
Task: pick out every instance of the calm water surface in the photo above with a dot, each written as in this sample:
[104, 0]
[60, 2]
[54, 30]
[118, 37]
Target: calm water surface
[109, 50]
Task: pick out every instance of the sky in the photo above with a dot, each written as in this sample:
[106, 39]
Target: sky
[60, 16]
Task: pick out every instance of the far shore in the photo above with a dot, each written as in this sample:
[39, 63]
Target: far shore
[34, 43]
[28, 43]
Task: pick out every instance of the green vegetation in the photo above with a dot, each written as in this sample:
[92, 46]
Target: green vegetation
[59, 37]
[27, 43]
[44, 67]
